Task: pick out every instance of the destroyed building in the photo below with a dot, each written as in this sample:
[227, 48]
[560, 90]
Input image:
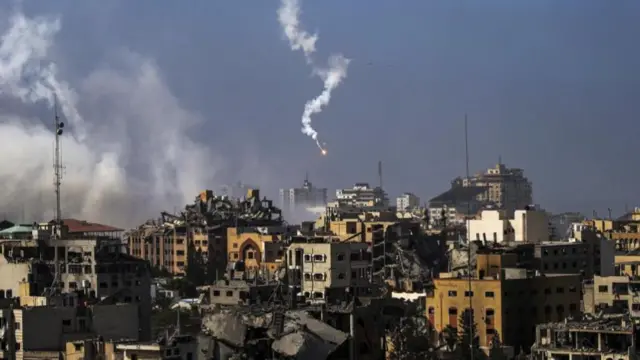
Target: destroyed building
[91, 266]
[606, 337]
[199, 233]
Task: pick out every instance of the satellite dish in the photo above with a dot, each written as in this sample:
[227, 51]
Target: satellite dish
[61, 125]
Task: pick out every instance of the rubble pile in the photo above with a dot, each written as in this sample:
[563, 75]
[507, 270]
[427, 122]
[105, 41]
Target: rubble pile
[289, 333]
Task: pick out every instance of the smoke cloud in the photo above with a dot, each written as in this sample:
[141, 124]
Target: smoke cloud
[289, 18]
[125, 149]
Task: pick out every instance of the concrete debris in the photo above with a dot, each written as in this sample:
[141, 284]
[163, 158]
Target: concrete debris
[301, 336]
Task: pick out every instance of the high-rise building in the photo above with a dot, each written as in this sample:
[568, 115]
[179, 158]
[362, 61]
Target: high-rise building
[407, 201]
[508, 188]
[303, 198]
[362, 195]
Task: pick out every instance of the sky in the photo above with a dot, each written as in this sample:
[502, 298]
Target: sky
[162, 99]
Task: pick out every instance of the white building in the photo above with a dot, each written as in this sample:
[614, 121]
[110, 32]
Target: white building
[303, 198]
[527, 225]
[362, 195]
[407, 201]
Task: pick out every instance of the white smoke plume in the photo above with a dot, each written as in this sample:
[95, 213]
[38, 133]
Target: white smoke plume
[299, 39]
[125, 149]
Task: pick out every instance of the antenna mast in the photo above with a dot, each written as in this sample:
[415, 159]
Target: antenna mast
[380, 173]
[57, 166]
[470, 329]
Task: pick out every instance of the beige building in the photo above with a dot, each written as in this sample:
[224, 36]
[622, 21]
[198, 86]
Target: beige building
[503, 301]
[94, 268]
[620, 292]
[324, 270]
[527, 225]
[508, 188]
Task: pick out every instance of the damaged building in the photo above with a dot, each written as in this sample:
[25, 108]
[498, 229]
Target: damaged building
[601, 337]
[91, 268]
[200, 232]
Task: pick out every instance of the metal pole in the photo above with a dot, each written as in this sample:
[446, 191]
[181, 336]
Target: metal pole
[470, 312]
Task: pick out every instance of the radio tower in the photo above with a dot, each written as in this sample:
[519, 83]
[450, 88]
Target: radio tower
[57, 168]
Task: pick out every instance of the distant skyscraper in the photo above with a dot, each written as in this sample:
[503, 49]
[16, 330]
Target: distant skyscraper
[407, 201]
[305, 197]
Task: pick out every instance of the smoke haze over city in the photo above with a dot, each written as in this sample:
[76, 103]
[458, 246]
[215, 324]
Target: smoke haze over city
[161, 101]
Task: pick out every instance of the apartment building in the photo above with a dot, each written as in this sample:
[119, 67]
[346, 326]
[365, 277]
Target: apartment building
[508, 188]
[324, 271]
[362, 195]
[526, 225]
[95, 267]
[407, 201]
[619, 292]
[503, 301]
[456, 205]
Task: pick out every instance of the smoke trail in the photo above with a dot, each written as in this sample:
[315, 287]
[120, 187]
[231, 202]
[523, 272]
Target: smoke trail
[126, 157]
[299, 39]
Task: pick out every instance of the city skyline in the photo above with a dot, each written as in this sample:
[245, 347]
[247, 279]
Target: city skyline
[526, 108]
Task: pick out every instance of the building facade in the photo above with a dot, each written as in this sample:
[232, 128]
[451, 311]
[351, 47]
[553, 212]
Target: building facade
[324, 270]
[407, 201]
[528, 225]
[302, 198]
[508, 188]
[506, 302]
[455, 206]
[363, 196]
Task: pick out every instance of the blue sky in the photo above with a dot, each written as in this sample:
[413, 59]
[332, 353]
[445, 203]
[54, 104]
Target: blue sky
[550, 86]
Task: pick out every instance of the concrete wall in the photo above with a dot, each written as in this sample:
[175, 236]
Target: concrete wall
[116, 322]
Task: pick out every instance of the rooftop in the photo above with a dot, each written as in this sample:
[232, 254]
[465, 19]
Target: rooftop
[459, 194]
[82, 226]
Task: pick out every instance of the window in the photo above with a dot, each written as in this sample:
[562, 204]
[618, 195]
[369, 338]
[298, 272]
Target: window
[17, 325]
[307, 257]
[103, 285]
[635, 307]
[216, 292]
[318, 277]
[180, 252]
[307, 276]
[603, 288]
[547, 291]
[229, 293]
[560, 290]
[489, 294]
[341, 276]
[340, 257]
[249, 254]
[572, 289]
[318, 258]
[453, 293]
[468, 293]
[66, 322]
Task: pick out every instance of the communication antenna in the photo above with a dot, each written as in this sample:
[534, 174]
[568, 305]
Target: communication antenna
[57, 166]
[471, 312]
[380, 173]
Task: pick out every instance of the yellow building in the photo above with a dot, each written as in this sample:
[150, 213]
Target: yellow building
[357, 226]
[258, 248]
[505, 301]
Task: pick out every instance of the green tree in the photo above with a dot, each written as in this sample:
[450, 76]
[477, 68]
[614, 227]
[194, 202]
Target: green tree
[495, 351]
[409, 340]
[468, 340]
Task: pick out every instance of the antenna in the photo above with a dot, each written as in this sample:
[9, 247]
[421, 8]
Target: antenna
[57, 164]
[470, 324]
[380, 173]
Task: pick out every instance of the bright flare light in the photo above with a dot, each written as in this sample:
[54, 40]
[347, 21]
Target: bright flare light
[324, 152]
